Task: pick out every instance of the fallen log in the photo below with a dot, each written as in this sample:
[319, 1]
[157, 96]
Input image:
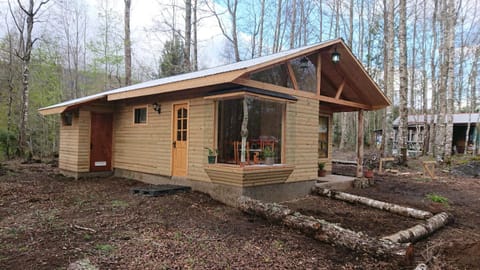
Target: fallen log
[321, 229]
[421, 230]
[393, 208]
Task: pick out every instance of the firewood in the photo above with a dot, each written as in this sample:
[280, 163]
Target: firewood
[393, 208]
[321, 229]
[421, 230]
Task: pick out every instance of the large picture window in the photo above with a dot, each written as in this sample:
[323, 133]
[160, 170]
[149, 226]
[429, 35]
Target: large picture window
[263, 133]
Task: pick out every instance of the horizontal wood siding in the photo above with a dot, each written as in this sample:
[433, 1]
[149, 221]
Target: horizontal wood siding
[201, 135]
[248, 176]
[301, 138]
[74, 150]
[142, 147]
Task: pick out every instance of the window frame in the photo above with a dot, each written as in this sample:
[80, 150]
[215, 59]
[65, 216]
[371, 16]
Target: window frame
[261, 98]
[67, 115]
[145, 107]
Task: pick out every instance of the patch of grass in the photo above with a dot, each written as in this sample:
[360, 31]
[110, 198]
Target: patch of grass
[437, 198]
[177, 236]
[47, 218]
[278, 244]
[119, 204]
[105, 248]
[87, 237]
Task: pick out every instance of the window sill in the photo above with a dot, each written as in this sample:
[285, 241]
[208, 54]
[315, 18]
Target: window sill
[248, 175]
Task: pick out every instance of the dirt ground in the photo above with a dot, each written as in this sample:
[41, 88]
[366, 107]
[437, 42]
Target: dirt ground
[48, 221]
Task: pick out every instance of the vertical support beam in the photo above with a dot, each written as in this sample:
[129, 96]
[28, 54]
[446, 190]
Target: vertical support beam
[319, 73]
[360, 144]
[292, 75]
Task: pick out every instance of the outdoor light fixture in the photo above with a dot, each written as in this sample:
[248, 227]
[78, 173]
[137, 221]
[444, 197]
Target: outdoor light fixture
[304, 63]
[335, 56]
[157, 107]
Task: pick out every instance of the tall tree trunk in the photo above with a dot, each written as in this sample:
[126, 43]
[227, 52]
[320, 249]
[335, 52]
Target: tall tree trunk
[293, 20]
[188, 35]
[434, 126]
[127, 44]
[451, 22]
[262, 19]
[195, 38]
[402, 40]
[387, 128]
[276, 37]
[24, 53]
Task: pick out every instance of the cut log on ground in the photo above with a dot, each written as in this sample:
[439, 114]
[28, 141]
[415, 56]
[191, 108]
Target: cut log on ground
[393, 208]
[420, 231]
[321, 229]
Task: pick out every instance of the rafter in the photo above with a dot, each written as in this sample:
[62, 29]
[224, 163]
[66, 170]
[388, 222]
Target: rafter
[340, 90]
[292, 75]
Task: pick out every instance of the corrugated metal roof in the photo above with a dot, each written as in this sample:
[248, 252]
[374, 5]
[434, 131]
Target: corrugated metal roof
[458, 118]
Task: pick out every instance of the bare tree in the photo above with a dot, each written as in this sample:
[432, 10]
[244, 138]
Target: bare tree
[388, 51]
[188, 35]
[402, 40]
[127, 43]
[232, 35]
[24, 24]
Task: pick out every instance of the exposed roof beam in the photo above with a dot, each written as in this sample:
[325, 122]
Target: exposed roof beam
[292, 75]
[340, 90]
[281, 89]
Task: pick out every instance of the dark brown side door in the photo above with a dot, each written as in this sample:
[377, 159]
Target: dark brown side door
[101, 142]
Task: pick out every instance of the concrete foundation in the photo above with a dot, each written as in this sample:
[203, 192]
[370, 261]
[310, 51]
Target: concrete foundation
[80, 175]
[226, 193]
[336, 182]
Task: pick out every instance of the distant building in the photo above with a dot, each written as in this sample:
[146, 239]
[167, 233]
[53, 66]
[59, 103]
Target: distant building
[416, 140]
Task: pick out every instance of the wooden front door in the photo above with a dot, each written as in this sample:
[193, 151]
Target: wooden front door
[180, 138]
[101, 142]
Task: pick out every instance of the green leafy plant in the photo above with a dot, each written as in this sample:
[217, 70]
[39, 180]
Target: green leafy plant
[119, 203]
[321, 166]
[105, 248]
[268, 152]
[211, 151]
[437, 198]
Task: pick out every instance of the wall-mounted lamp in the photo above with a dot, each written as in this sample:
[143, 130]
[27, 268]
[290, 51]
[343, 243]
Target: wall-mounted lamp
[157, 107]
[304, 63]
[335, 56]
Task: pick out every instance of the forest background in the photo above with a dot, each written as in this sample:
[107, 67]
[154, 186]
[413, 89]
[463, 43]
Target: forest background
[424, 55]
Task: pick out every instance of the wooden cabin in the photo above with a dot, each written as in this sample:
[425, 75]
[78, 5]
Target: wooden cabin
[462, 122]
[278, 106]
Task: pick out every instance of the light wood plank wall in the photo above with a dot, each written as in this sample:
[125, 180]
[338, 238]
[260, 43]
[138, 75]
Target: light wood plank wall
[301, 139]
[201, 135]
[143, 147]
[74, 149]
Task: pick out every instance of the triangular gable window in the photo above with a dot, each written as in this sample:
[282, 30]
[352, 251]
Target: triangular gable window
[277, 75]
[305, 73]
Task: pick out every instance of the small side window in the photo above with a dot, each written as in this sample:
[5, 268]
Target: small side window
[67, 118]
[140, 115]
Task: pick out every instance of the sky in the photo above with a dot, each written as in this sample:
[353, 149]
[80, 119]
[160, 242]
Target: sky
[147, 37]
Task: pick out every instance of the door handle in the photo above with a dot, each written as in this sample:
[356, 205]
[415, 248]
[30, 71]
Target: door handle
[174, 144]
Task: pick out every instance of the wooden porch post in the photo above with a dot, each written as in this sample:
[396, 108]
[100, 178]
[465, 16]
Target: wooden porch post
[360, 144]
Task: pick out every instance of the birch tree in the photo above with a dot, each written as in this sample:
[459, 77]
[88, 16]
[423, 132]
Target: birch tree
[402, 40]
[127, 44]
[24, 24]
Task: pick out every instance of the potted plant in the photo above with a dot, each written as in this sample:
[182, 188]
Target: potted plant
[212, 155]
[269, 155]
[369, 165]
[321, 169]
